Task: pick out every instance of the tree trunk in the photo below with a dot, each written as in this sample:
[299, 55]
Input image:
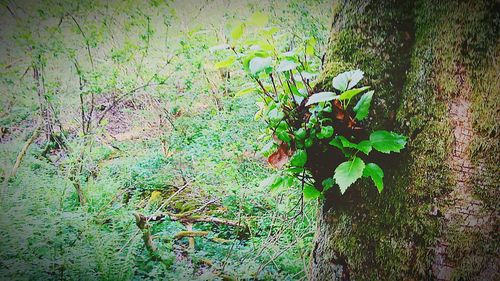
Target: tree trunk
[434, 66]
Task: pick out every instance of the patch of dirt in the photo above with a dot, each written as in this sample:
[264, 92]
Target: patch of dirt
[136, 118]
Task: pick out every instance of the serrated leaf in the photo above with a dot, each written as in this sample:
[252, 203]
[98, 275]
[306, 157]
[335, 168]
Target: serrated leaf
[321, 97]
[363, 105]
[348, 172]
[347, 80]
[376, 173]
[237, 31]
[225, 63]
[299, 159]
[387, 142]
[259, 64]
[286, 65]
[349, 94]
[310, 192]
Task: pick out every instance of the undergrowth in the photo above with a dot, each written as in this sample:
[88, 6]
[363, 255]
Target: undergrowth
[181, 143]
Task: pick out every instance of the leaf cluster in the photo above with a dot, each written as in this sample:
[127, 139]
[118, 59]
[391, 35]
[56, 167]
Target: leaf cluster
[299, 117]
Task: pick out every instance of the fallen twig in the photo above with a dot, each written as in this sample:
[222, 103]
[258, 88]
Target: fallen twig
[192, 233]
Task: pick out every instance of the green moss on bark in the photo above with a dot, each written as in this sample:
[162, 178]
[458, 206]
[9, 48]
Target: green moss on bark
[390, 236]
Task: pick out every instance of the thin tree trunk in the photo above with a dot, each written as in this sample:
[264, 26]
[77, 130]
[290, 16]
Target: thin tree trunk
[45, 112]
[434, 66]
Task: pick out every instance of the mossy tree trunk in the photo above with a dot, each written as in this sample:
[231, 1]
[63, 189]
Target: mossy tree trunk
[435, 68]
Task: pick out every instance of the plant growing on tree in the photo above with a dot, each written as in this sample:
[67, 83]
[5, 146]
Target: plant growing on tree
[300, 118]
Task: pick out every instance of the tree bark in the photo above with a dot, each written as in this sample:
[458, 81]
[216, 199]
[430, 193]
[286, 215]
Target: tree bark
[434, 66]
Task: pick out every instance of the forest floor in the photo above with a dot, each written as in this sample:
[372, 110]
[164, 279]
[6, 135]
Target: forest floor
[170, 175]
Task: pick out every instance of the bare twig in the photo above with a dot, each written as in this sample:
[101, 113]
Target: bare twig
[87, 43]
[20, 157]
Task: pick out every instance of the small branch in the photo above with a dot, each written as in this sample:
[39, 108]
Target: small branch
[10, 10]
[264, 89]
[86, 40]
[143, 225]
[192, 233]
[20, 157]
[193, 219]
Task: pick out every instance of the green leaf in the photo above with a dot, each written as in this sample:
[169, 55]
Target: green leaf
[237, 31]
[327, 184]
[275, 116]
[245, 91]
[338, 144]
[387, 142]
[347, 80]
[348, 172]
[259, 64]
[299, 159]
[225, 63]
[310, 192]
[365, 146]
[342, 142]
[258, 19]
[296, 92]
[265, 45]
[286, 65]
[326, 132]
[363, 105]
[270, 181]
[288, 181]
[308, 142]
[284, 136]
[282, 132]
[277, 181]
[349, 94]
[310, 43]
[373, 171]
[321, 97]
[346, 143]
[300, 134]
[295, 170]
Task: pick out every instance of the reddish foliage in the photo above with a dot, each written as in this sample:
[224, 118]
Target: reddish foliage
[279, 158]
